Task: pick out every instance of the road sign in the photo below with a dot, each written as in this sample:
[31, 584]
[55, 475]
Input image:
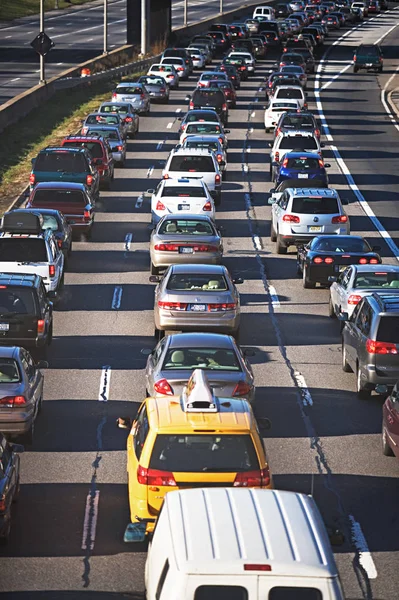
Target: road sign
[42, 44]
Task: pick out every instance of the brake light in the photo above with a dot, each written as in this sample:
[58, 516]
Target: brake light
[113, 95]
[179, 69]
[89, 179]
[155, 477]
[128, 120]
[51, 270]
[221, 140]
[32, 178]
[40, 326]
[119, 148]
[242, 388]
[285, 162]
[167, 247]
[221, 307]
[321, 163]
[59, 242]
[207, 206]
[191, 105]
[318, 260]
[257, 567]
[363, 261]
[217, 179]
[317, 133]
[259, 478]
[291, 219]
[373, 261]
[86, 215]
[172, 305]
[340, 219]
[374, 347]
[329, 260]
[354, 299]
[163, 387]
[11, 401]
[224, 106]
[277, 156]
[219, 157]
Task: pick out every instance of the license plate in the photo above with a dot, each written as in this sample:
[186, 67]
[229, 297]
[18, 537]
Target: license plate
[315, 229]
[369, 64]
[198, 307]
[302, 176]
[183, 206]
[4, 326]
[185, 250]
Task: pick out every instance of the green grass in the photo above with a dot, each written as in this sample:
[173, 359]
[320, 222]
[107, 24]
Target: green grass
[14, 9]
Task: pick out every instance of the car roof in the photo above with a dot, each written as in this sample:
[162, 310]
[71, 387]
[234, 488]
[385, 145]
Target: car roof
[19, 279]
[187, 217]
[200, 340]
[184, 182]
[59, 185]
[203, 122]
[63, 149]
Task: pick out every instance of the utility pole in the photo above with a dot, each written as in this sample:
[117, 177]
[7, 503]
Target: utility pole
[105, 27]
[144, 27]
[42, 73]
[221, 6]
[185, 13]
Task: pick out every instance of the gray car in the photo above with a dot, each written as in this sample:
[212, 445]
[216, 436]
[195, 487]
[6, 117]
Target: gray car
[104, 119]
[135, 93]
[173, 360]
[127, 112]
[197, 297]
[115, 140]
[21, 392]
[156, 87]
[185, 239]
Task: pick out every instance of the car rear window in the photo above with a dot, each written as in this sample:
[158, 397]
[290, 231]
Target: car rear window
[315, 206]
[214, 95]
[203, 453]
[297, 122]
[341, 244]
[388, 329]
[195, 115]
[367, 50]
[201, 145]
[54, 197]
[95, 148]
[107, 119]
[209, 359]
[163, 67]
[303, 163]
[278, 106]
[9, 371]
[129, 89]
[18, 249]
[186, 192]
[203, 128]
[301, 142]
[108, 134]
[295, 593]
[50, 222]
[152, 81]
[192, 164]
[124, 108]
[291, 93]
[63, 162]
[377, 280]
[187, 282]
[16, 300]
[173, 61]
[183, 227]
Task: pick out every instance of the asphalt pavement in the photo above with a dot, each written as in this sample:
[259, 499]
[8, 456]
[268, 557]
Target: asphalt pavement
[79, 36]
[324, 440]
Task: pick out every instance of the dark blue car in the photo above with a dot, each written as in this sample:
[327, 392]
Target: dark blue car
[302, 165]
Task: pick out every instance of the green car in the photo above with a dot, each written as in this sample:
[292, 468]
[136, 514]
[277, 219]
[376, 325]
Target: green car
[368, 56]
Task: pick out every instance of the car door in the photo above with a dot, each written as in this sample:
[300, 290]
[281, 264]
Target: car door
[354, 331]
[279, 209]
[341, 288]
[152, 364]
[8, 472]
[135, 444]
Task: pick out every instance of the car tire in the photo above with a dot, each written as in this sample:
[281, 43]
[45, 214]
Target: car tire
[308, 285]
[267, 129]
[273, 234]
[154, 270]
[386, 448]
[380, 70]
[217, 200]
[271, 172]
[236, 335]
[224, 175]
[159, 334]
[280, 248]
[6, 535]
[345, 365]
[27, 437]
[18, 491]
[331, 310]
[355, 69]
[298, 268]
[362, 389]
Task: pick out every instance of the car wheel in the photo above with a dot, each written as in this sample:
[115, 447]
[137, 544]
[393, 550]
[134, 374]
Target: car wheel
[309, 285]
[6, 535]
[154, 270]
[280, 248]
[355, 69]
[236, 334]
[273, 234]
[159, 334]
[17, 492]
[380, 70]
[27, 437]
[331, 310]
[345, 365]
[267, 130]
[362, 389]
[386, 448]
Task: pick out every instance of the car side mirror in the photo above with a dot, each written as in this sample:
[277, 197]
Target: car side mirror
[248, 352]
[188, 97]
[271, 201]
[150, 192]
[376, 248]
[227, 130]
[238, 280]
[332, 279]
[19, 448]
[327, 165]
[42, 364]
[343, 316]
[154, 278]
[345, 201]
[124, 422]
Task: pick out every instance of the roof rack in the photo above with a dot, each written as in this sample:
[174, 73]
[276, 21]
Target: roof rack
[197, 396]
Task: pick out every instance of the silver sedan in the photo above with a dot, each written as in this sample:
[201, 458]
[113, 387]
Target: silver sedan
[171, 363]
[21, 392]
[156, 87]
[135, 93]
[126, 111]
[197, 298]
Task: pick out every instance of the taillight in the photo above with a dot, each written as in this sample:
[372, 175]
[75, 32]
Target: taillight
[160, 206]
[340, 219]
[142, 96]
[40, 326]
[155, 477]
[321, 163]
[363, 261]
[217, 179]
[291, 219]
[3, 504]
[277, 156]
[179, 69]
[354, 58]
[373, 261]
[128, 120]
[219, 158]
[11, 401]
[119, 148]
[191, 105]
[166, 176]
[224, 106]
[285, 162]
[163, 387]
[220, 140]
[51, 270]
[32, 178]
[278, 130]
[207, 206]
[172, 305]
[242, 388]
[329, 260]
[113, 95]
[162, 90]
[89, 179]
[374, 347]
[354, 299]
[86, 215]
[59, 242]
[259, 478]
[167, 247]
[317, 133]
[221, 307]
[318, 260]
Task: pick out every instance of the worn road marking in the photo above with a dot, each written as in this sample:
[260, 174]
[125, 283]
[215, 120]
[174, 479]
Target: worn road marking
[104, 384]
[116, 300]
[169, 125]
[359, 541]
[140, 199]
[149, 172]
[90, 520]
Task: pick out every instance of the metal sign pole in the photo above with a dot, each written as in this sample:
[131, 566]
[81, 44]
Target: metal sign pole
[185, 13]
[42, 71]
[221, 6]
[144, 26]
[105, 27]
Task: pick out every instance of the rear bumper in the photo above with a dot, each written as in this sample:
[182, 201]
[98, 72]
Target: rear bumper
[165, 259]
[16, 427]
[24, 342]
[4, 522]
[320, 274]
[227, 322]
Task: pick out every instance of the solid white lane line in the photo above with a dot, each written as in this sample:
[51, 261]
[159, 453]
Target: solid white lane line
[384, 102]
[90, 520]
[128, 241]
[15, 79]
[257, 241]
[105, 380]
[359, 541]
[139, 201]
[274, 296]
[385, 34]
[178, 110]
[117, 298]
[326, 85]
[87, 28]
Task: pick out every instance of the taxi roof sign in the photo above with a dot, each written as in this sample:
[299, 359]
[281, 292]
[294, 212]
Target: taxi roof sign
[197, 396]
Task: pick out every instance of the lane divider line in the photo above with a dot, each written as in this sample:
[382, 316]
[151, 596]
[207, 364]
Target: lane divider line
[90, 521]
[103, 393]
[117, 298]
[128, 240]
[169, 125]
[140, 199]
[149, 172]
[359, 541]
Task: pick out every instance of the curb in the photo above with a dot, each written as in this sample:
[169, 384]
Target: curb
[393, 104]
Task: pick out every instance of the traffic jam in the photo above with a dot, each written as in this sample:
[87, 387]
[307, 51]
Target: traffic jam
[199, 448]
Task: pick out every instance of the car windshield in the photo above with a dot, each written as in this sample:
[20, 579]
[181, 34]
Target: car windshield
[184, 227]
[303, 163]
[203, 128]
[341, 244]
[18, 300]
[197, 282]
[203, 453]
[209, 359]
[315, 206]
[376, 279]
[9, 371]
[290, 93]
[56, 196]
[109, 134]
[108, 119]
[94, 147]
[388, 329]
[301, 142]
[63, 161]
[24, 250]
[192, 164]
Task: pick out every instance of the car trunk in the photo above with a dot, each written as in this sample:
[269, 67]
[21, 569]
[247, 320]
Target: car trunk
[222, 382]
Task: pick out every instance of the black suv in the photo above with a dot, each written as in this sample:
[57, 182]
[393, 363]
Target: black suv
[26, 314]
[211, 97]
[368, 56]
[370, 342]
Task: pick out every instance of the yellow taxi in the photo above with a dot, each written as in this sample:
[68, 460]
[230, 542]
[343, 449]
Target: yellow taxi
[192, 440]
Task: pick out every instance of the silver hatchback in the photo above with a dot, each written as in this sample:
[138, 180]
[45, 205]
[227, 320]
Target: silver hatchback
[135, 93]
[195, 298]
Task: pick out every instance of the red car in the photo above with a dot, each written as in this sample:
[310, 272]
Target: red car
[101, 153]
[390, 424]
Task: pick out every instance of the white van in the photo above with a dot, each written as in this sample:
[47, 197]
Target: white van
[267, 12]
[240, 544]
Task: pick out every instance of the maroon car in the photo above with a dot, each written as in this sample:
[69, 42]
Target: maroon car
[100, 151]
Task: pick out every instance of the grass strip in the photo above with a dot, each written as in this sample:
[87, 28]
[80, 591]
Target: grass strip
[14, 9]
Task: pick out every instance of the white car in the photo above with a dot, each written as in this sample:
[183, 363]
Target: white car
[290, 141]
[248, 58]
[205, 128]
[179, 64]
[167, 72]
[275, 109]
[290, 92]
[349, 287]
[363, 7]
[266, 12]
[198, 57]
[184, 195]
